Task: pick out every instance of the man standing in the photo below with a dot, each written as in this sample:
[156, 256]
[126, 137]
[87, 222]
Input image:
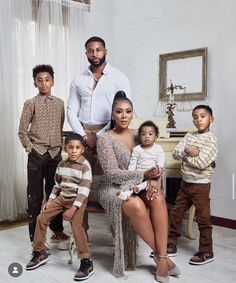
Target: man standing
[90, 102]
[92, 93]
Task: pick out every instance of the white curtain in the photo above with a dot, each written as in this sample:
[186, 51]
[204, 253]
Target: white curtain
[32, 32]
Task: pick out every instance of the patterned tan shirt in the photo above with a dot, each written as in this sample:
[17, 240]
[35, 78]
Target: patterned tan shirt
[41, 124]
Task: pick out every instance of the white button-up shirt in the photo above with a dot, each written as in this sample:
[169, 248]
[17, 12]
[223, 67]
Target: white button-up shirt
[93, 106]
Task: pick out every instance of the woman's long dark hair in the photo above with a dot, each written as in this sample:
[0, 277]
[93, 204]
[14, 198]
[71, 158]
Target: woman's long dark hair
[119, 96]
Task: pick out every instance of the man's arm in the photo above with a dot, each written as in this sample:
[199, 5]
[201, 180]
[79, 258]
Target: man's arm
[73, 108]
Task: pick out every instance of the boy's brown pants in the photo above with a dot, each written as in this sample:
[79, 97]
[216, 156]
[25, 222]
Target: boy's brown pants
[60, 204]
[188, 194]
[41, 170]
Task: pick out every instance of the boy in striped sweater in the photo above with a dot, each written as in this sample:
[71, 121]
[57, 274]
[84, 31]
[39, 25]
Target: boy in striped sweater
[69, 195]
[198, 151]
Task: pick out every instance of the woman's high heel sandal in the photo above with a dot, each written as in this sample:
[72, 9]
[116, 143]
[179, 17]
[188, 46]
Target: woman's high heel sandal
[160, 278]
[175, 271]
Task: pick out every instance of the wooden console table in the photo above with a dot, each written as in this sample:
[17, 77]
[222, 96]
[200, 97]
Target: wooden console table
[173, 171]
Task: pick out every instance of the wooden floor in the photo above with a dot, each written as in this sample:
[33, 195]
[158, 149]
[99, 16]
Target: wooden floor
[8, 225]
[15, 247]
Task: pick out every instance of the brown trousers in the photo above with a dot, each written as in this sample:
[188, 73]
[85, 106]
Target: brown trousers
[61, 204]
[197, 194]
[41, 170]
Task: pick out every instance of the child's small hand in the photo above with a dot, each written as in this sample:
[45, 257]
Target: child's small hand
[191, 151]
[69, 213]
[158, 171]
[152, 173]
[136, 190]
[155, 171]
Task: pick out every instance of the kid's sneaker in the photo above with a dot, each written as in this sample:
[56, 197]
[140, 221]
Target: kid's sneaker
[85, 270]
[59, 237]
[38, 259]
[201, 258]
[171, 249]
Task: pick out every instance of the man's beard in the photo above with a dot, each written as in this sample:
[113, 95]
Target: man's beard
[99, 63]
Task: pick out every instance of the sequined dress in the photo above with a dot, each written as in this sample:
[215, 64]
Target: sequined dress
[114, 158]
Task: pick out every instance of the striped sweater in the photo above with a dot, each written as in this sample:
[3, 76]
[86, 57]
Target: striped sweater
[73, 179]
[197, 169]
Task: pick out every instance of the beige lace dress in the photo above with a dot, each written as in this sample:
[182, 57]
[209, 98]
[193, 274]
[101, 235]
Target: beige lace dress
[114, 158]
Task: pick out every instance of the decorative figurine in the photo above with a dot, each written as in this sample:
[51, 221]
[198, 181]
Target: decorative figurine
[170, 106]
[170, 112]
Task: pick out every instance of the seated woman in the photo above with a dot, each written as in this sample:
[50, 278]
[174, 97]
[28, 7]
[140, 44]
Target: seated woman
[131, 216]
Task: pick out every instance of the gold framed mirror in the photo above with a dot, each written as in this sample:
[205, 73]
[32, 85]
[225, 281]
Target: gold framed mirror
[186, 68]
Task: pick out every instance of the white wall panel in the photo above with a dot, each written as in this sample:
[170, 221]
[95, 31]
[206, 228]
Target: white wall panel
[136, 33]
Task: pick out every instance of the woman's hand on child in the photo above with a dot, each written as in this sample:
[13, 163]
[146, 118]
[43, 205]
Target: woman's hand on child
[69, 213]
[153, 189]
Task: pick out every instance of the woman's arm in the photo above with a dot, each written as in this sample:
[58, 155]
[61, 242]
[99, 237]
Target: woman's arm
[108, 161]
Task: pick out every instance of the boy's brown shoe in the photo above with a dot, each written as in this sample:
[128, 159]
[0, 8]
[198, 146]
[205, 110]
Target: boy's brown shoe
[171, 249]
[201, 258]
[38, 259]
[85, 270]
[58, 237]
